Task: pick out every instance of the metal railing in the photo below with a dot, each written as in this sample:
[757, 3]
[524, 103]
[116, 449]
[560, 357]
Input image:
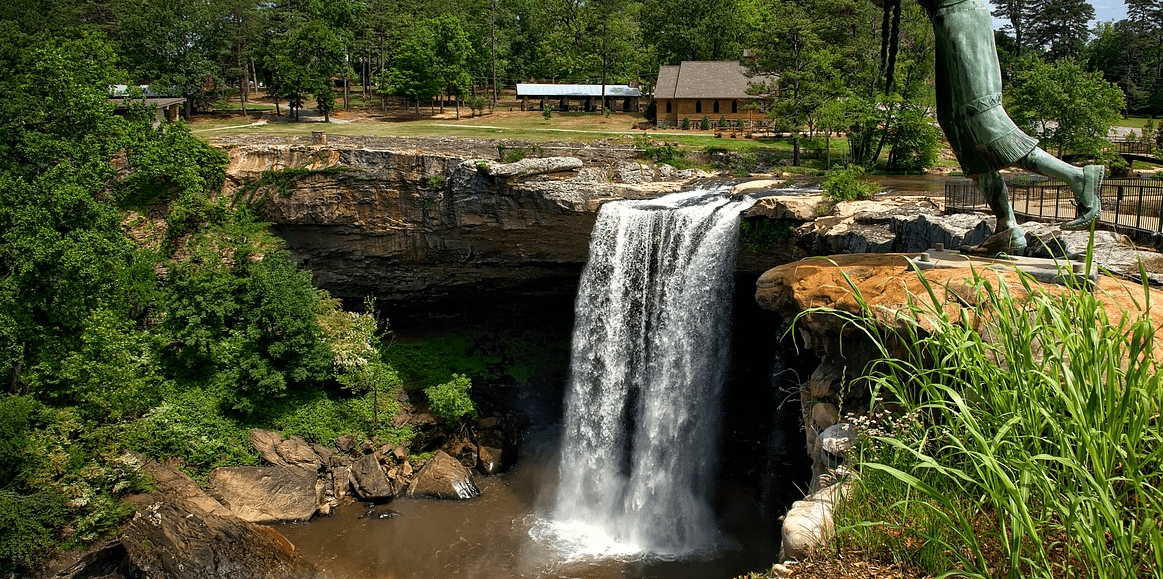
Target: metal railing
[1130, 206]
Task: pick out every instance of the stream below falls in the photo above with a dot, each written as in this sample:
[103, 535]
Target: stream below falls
[489, 536]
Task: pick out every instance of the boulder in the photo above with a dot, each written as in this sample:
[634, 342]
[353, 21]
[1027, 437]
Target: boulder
[174, 485]
[292, 452]
[443, 477]
[808, 524]
[797, 207]
[529, 167]
[838, 439]
[369, 481]
[177, 541]
[490, 460]
[267, 494]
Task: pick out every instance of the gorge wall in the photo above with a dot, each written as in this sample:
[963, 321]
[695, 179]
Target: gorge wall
[407, 224]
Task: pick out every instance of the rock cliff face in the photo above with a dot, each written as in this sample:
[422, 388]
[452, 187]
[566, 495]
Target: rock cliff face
[403, 224]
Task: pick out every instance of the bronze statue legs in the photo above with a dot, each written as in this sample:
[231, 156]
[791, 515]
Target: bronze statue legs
[1085, 182]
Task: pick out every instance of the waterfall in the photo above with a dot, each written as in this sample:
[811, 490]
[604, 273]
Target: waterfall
[650, 354]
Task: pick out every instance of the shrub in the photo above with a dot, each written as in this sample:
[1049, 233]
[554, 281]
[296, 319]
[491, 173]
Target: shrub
[434, 182]
[450, 401]
[686, 123]
[476, 103]
[546, 111]
[847, 184]
[510, 155]
[722, 122]
[28, 526]
[705, 124]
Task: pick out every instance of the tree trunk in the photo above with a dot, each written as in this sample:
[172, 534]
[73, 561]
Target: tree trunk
[245, 80]
[493, 36]
[795, 148]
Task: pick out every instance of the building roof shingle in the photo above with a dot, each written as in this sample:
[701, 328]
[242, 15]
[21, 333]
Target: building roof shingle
[706, 79]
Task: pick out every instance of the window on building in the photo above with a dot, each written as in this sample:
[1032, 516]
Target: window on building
[667, 106]
[734, 106]
[698, 106]
[716, 106]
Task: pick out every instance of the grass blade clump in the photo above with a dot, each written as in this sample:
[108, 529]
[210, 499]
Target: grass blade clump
[1024, 440]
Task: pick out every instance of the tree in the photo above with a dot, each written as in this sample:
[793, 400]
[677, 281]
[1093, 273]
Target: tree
[1017, 13]
[678, 30]
[791, 49]
[1060, 27]
[454, 54]
[412, 75]
[170, 47]
[1072, 109]
[304, 60]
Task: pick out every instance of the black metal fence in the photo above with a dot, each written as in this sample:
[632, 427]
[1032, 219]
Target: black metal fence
[1130, 206]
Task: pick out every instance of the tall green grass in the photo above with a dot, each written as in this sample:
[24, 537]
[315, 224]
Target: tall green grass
[1019, 438]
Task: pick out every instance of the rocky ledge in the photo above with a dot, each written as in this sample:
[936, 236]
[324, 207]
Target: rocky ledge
[887, 283]
[404, 224]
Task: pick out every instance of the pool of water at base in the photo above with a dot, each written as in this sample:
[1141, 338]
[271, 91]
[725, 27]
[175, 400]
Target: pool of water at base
[488, 537]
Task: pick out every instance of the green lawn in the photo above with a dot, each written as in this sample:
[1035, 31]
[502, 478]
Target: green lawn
[1136, 122]
[575, 127]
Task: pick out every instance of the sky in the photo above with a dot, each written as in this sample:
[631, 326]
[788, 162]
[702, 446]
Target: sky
[1107, 10]
[1104, 11]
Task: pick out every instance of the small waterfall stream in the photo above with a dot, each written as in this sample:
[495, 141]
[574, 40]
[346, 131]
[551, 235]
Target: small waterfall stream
[650, 354]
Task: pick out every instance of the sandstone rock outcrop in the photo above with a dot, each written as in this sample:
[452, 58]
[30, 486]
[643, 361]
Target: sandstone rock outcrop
[398, 223]
[175, 540]
[272, 494]
[443, 477]
[369, 481]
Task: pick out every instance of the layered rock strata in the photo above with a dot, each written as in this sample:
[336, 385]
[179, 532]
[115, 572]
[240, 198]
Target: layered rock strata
[406, 224]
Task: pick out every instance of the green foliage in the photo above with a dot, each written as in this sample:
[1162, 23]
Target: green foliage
[435, 182]
[759, 233]
[705, 123]
[280, 182]
[1071, 108]
[17, 417]
[686, 123]
[450, 401]
[476, 103]
[29, 525]
[668, 153]
[430, 362]
[1018, 435]
[848, 184]
[510, 154]
[112, 375]
[546, 111]
[192, 426]
[916, 144]
[277, 345]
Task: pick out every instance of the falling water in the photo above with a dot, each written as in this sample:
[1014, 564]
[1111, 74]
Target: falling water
[650, 354]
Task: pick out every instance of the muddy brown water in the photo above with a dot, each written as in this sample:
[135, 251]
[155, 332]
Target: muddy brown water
[489, 537]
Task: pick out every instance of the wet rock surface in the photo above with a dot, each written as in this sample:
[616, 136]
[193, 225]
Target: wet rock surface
[443, 477]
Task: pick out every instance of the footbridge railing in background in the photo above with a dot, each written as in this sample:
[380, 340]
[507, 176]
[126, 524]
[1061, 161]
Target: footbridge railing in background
[1130, 206]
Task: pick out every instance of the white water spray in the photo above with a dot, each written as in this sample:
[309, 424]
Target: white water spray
[650, 354]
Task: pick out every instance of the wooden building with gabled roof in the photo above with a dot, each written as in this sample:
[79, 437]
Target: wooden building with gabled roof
[711, 88]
